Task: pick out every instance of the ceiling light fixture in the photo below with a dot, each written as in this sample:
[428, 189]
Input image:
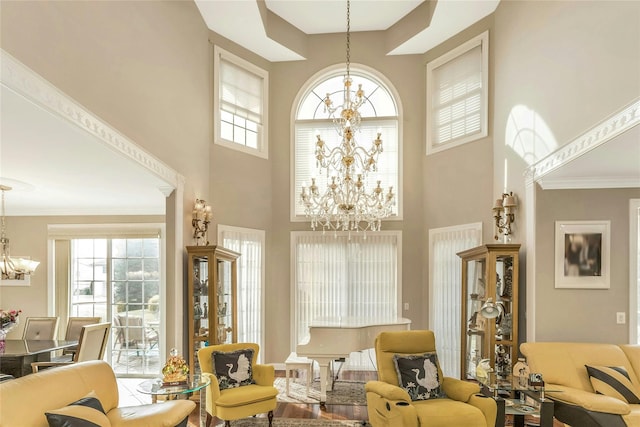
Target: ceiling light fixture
[12, 268]
[345, 205]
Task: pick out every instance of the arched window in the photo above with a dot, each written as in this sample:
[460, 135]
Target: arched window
[379, 115]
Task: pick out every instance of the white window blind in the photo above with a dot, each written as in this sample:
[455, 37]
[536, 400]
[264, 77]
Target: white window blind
[457, 96]
[241, 99]
[250, 293]
[241, 92]
[379, 114]
[445, 285]
[305, 162]
[342, 277]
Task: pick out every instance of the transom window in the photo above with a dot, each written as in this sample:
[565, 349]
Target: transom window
[457, 87]
[240, 104]
[379, 115]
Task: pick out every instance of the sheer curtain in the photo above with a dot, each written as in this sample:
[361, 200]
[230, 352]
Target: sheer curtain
[250, 295]
[345, 277]
[445, 289]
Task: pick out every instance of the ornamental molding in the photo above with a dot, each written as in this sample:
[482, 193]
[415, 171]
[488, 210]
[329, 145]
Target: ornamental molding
[20, 79]
[608, 129]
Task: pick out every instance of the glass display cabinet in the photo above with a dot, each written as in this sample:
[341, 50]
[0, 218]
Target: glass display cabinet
[489, 311]
[211, 302]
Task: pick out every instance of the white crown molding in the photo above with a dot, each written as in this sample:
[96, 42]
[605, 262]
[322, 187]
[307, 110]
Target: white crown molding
[19, 78]
[588, 183]
[611, 127]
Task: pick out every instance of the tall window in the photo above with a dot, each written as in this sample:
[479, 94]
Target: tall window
[457, 100]
[379, 114]
[445, 296]
[250, 293]
[345, 277]
[240, 104]
[118, 279]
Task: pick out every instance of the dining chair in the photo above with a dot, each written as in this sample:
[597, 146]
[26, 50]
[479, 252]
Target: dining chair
[91, 346]
[40, 328]
[74, 327]
[132, 333]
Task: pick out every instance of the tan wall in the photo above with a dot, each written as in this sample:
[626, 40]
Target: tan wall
[575, 314]
[571, 64]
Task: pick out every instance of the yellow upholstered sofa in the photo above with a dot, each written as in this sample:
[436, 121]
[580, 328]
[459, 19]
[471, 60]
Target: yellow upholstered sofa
[389, 405]
[24, 401]
[576, 402]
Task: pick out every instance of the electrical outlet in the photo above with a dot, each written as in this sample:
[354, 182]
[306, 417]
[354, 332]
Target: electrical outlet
[621, 317]
[406, 306]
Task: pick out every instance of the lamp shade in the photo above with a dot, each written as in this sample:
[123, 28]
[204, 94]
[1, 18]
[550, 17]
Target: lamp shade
[489, 309]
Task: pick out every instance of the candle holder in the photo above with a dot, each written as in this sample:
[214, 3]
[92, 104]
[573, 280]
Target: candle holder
[202, 215]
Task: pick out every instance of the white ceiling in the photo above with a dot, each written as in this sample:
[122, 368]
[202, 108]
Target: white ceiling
[614, 164]
[56, 168]
[241, 21]
[59, 169]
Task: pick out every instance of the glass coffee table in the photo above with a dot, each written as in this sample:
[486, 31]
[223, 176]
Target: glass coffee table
[520, 402]
[196, 383]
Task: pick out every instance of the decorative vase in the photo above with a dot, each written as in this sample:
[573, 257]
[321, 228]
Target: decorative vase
[520, 374]
[6, 328]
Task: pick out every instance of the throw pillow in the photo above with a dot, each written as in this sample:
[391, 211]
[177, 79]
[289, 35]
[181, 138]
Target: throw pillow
[613, 381]
[418, 375]
[233, 368]
[86, 412]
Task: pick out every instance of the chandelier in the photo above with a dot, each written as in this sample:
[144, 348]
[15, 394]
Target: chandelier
[12, 268]
[346, 205]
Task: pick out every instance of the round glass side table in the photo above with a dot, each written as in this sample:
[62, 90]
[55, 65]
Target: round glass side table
[196, 383]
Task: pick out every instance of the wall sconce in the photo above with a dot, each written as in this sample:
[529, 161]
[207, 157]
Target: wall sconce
[504, 215]
[202, 215]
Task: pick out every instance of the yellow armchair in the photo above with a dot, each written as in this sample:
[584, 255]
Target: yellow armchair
[389, 405]
[239, 402]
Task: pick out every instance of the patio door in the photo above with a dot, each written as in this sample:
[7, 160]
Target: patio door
[119, 279]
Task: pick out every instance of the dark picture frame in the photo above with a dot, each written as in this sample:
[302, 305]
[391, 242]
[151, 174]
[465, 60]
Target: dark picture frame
[582, 254]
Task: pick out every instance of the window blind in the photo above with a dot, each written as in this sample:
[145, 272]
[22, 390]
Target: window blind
[305, 162]
[240, 91]
[445, 290]
[250, 295]
[457, 97]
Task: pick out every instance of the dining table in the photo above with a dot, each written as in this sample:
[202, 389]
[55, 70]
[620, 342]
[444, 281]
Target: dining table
[16, 356]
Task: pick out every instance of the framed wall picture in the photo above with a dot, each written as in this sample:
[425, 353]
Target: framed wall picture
[582, 254]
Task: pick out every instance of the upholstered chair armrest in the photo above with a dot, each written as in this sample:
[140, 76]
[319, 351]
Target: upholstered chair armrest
[587, 400]
[389, 405]
[213, 392]
[264, 374]
[388, 391]
[459, 390]
[487, 405]
[468, 392]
